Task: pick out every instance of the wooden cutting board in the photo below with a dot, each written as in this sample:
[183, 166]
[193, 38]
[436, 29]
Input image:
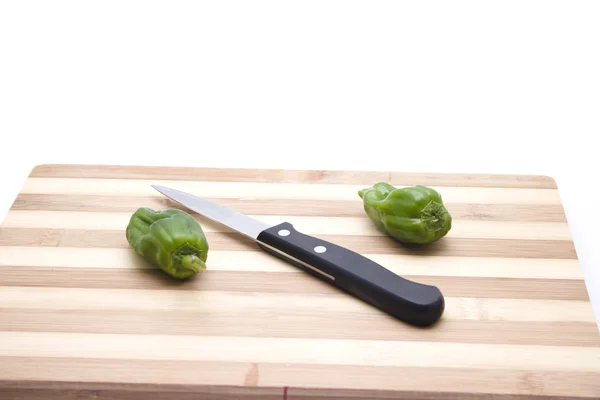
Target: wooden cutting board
[83, 316]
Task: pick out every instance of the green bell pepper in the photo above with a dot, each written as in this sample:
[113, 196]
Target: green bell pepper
[171, 240]
[413, 214]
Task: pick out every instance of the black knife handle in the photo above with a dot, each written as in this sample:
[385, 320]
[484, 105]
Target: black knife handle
[412, 302]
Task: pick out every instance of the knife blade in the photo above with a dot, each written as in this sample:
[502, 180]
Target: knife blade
[409, 301]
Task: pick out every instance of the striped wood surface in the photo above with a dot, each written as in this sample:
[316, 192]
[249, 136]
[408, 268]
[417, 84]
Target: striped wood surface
[82, 316]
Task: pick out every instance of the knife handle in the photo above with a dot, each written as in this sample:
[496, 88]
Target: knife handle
[409, 301]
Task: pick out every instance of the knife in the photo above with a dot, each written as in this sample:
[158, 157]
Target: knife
[412, 302]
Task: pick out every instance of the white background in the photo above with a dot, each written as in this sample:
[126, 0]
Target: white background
[450, 86]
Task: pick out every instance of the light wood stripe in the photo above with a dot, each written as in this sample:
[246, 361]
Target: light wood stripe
[212, 304]
[281, 282]
[164, 379]
[449, 247]
[485, 267]
[291, 176]
[309, 225]
[322, 326]
[300, 351]
[294, 207]
[252, 190]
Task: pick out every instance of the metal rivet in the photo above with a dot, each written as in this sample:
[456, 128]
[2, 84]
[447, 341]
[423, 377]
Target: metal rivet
[320, 249]
[283, 232]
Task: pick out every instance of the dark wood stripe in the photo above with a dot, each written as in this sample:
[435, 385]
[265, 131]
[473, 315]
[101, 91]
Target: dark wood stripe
[104, 379]
[297, 207]
[304, 393]
[71, 391]
[291, 176]
[449, 246]
[100, 387]
[320, 325]
[280, 282]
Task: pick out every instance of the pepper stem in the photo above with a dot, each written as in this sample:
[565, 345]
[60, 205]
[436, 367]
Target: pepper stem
[193, 263]
[434, 216]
